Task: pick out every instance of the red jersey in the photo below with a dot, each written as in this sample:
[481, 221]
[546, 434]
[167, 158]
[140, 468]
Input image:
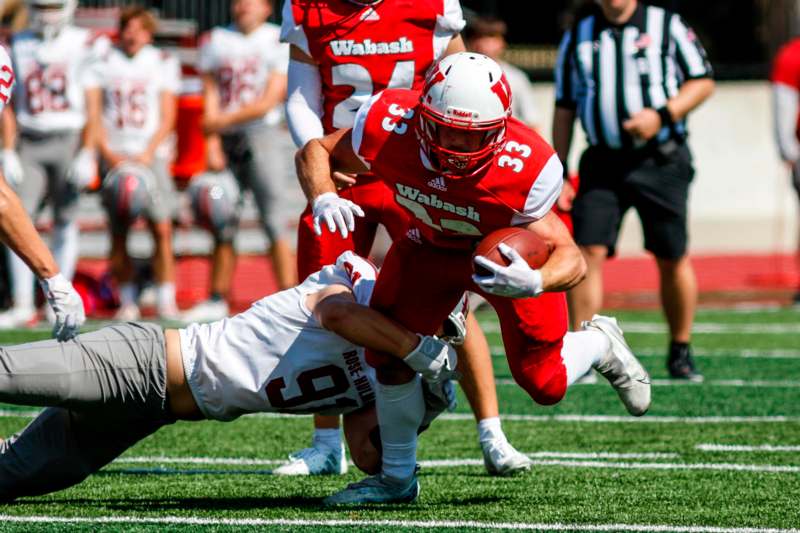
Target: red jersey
[363, 50]
[520, 185]
[786, 69]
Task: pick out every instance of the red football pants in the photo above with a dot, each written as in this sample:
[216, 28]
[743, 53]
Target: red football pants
[377, 201]
[420, 284]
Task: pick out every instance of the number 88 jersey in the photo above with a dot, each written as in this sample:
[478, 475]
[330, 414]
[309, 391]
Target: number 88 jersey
[362, 50]
[51, 78]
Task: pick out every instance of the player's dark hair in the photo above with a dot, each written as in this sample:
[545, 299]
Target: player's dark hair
[147, 18]
[485, 27]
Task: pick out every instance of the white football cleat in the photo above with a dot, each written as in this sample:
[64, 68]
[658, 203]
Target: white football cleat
[375, 489]
[315, 461]
[169, 312]
[128, 313]
[207, 311]
[621, 368]
[18, 317]
[502, 459]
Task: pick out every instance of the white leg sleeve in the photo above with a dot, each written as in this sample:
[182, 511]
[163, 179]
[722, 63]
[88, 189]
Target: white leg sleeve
[581, 351]
[21, 281]
[400, 410]
[65, 248]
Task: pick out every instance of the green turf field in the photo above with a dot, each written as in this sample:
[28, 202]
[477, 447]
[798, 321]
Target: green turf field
[722, 456]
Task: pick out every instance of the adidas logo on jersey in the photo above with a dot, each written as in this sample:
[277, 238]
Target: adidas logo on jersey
[414, 235]
[438, 183]
[368, 47]
[370, 15]
[406, 193]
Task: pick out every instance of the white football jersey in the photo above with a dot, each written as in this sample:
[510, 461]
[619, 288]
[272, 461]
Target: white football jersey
[52, 76]
[242, 64]
[6, 78]
[276, 357]
[132, 88]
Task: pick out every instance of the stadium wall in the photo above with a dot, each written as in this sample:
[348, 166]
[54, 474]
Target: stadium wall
[742, 199]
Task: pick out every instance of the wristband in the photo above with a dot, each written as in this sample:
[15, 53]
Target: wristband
[666, 116]
[537, 285]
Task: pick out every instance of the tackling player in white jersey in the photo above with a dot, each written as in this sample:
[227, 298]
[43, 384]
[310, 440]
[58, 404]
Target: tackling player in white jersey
[136, 86]
[296, 351]
[18, 233]
[244, 84]
[54, 155]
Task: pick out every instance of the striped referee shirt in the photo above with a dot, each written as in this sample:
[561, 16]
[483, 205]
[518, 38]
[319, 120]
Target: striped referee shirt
[608, 73]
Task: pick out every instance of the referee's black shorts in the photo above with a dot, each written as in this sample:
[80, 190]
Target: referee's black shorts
[655, 181]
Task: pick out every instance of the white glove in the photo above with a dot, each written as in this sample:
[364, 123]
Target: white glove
[67, 306]
[517, 280]
[12, 167]
[433, 358]
[83, 169]
[338, 213]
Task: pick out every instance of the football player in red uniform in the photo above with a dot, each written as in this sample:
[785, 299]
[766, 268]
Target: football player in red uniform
[463, 168]
[343, 52]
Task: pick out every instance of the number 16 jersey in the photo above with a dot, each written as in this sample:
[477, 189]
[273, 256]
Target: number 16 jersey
[362, 50]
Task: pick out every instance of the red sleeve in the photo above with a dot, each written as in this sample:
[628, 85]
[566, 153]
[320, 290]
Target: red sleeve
[786, 68]
[387, 114]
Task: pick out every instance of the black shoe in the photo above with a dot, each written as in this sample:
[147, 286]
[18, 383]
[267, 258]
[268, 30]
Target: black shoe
[681, 363]
[796, 299]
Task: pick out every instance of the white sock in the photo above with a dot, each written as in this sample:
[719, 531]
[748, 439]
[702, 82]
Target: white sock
[65, 244]
[165, 295]
[328, 437]
[400, 411]
[128, 294]
[489, 429]
[21, 282]
[582, 350]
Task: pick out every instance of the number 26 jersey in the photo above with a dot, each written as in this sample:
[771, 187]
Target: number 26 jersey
[363, 50]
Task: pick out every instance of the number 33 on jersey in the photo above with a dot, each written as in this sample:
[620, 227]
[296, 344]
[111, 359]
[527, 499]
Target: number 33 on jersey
[519, 187]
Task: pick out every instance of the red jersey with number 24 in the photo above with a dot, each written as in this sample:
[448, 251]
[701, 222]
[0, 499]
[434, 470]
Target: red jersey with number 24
[363, 50]
[518, 187]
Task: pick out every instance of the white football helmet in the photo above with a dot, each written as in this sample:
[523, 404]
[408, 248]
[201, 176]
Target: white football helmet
[48, 17]
[467, 92]
[215, 198]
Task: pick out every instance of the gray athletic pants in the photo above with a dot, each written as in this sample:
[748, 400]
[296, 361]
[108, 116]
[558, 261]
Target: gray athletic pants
[105, 391]
[46, 159]
[260, 159]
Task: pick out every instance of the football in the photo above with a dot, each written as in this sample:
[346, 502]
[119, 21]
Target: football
[533, 249]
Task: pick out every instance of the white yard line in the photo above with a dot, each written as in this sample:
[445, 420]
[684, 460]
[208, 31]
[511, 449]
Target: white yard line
[247, 461]
[746, 448]
[602, 419]
[450, 524]
[661, 351]
[450, 463]
[759, 383]
[701, 327]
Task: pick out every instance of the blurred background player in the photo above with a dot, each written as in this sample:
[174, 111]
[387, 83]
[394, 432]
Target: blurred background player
[487, 36]
[786, 115]
[17, 232]
[343, 52]
[54, 156]
[136, 86]
[637, 155]
[244, 85]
